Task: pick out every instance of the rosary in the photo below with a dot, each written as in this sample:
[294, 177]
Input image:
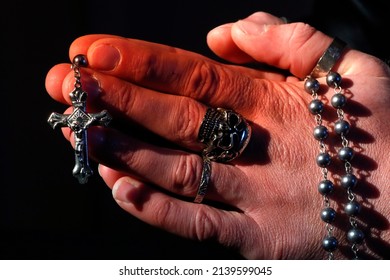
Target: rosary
[79, 121]
[345, 154]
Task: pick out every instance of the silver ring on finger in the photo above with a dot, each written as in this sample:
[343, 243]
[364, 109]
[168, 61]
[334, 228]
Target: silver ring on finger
[226, 134]
[328, 59]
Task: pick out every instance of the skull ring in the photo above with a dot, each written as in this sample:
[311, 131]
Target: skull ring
[225, 133]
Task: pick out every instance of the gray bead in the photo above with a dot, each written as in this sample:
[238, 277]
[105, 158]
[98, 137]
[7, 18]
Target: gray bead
[323, 159]
[311, 85]
[328, 215]
[352, 208]
[316, 107]
[355, 236]
[338, 100]
[333, 79]
[348, 181]
[346, 154]
[330, 243]
[325, 187]
[341, 127]
[80, 60]
[320, 132]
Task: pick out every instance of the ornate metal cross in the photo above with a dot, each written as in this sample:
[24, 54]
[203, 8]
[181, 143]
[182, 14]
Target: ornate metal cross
[79, 121]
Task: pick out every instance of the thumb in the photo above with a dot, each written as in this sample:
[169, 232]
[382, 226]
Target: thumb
[221, 43]
[295, 47]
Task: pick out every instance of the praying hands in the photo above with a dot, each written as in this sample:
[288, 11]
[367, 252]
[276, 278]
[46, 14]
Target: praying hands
[239, 140]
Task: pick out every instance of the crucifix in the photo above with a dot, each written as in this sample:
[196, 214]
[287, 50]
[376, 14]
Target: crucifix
[79, 121]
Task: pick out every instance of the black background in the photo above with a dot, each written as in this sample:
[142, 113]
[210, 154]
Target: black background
[44, 212]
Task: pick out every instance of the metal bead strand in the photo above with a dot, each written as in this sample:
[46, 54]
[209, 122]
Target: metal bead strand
[78, 61]
[325, 186]
[355, 236]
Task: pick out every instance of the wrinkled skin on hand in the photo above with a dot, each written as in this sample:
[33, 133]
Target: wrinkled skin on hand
[265, 204]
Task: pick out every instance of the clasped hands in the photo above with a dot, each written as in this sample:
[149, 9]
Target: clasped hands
[268, 202]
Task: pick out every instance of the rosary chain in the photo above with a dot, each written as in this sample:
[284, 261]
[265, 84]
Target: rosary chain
[78, 61]
[348, 181]
[325, 187]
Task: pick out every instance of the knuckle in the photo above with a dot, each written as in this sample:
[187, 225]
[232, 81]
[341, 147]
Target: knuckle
[128, 159]
[204, 80]
[126, 99]
[187, 174]
[186, 121]
[212, 84]
[148, 67]
[301, 33]
[163, 211]
[205, 224]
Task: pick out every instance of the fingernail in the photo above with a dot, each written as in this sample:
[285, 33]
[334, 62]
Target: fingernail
[251, 28]
[105, 57]
[100, 169]
[124, 190]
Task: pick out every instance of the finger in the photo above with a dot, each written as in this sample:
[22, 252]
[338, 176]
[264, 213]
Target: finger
[54, 81]
[176, 171]
[221, 42]
[174, 118]
[59, 83]
[295, 47]
[171, 70]
[109, 175]
[81, 45]
[55, 77]
[189, 220]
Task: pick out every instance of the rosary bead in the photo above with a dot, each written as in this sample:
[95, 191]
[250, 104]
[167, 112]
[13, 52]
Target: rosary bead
[330, 243]
[341, 127]
[346, 154]
[333, 79]
[348, 181]
[80, 60]
[355, 236]
[325, 187]
[323, 160]
[320, 132]
[338, 100]
[311, 85]
[328, 215]
[316, 107]
[352, 208]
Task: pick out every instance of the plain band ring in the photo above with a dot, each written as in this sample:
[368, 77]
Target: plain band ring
[328, 58]
[226, 135]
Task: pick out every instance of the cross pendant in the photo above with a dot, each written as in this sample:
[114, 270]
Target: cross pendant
[79, 121]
